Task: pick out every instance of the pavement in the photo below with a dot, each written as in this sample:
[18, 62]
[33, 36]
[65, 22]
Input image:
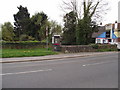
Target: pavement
[51, 57]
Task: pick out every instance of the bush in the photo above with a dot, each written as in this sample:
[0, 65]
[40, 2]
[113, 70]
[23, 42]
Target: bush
[26, 38]
[23, 45]
[95, 46]
[105, 50]
[23, 38]
[30, 38]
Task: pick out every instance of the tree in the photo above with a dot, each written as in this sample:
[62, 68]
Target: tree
[86, 19]
[69, 28]
[0, 32]
[7, 31]
[84, 31]
[86, 26]
[38, 25]
[22, 21]
[54, 29]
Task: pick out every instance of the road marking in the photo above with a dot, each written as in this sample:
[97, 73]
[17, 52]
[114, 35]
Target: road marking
[96, 63]
[65, 56]
[25, 72]
[53, 60]
[83, 65]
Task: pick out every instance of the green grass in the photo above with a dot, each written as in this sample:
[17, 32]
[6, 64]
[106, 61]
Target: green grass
[105, 50]
[7, 53]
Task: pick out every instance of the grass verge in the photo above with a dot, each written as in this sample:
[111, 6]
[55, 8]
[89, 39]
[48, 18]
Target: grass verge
[107, 49]
[7, 53]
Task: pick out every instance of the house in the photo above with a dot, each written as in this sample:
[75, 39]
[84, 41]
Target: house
[101, 30]
[117, 30]
[118, 21]
[109, 35]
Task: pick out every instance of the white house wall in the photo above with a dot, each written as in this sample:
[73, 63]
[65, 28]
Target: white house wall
[101, 41]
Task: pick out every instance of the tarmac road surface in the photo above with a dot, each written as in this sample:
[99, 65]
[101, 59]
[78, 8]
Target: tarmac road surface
[99, 71]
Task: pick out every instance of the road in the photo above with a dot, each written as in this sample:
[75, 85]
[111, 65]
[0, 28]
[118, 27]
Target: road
[99, 71]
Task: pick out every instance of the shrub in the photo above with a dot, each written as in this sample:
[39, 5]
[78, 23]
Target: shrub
[26, 38]
[95, 46]
[23, 45]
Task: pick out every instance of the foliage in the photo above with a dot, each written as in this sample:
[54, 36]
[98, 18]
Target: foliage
[54, 29]
[0, 33]
[107, 49]
[22, 21]
[29, 28]
[7, 31]
[26, 38]
[39, 25]
[69, 29]
[23, 45]
[95, 46]
[85, 25]
[80, 31]
[85, 29]
[23, 37]
[33, 28]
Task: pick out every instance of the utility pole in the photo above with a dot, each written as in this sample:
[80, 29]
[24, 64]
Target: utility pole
[47, 37]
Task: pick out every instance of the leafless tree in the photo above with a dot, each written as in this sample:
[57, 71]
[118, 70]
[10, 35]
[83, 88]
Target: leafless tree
[95, 8]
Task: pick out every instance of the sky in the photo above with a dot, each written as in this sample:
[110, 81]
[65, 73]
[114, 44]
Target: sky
[50, 7]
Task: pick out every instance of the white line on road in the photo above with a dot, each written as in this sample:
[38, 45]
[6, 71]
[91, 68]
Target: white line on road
[96, 63]
[26, 72]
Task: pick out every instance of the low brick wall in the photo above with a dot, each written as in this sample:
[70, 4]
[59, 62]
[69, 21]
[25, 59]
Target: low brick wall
[84, 48]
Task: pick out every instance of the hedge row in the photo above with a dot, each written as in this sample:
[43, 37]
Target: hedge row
[103, 46]
[23, 45]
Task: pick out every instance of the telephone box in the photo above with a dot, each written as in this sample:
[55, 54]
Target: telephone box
[56, 41]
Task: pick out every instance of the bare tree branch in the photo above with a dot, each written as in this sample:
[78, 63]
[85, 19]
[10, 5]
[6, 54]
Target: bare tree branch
[91, 7]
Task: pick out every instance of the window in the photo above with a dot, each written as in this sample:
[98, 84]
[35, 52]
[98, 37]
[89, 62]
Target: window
[98, 41]
[107, 34]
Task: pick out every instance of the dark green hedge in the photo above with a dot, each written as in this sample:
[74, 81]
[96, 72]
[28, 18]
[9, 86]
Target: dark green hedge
[23, 45]
[103, 46]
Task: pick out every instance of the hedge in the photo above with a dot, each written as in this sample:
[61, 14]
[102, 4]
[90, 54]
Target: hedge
[23, 45]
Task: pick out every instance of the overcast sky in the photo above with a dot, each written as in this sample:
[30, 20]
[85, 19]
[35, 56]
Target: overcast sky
[50, 7]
